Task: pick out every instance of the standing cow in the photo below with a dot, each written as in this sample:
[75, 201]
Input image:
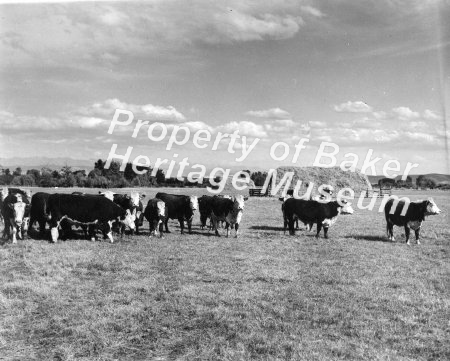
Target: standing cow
[13, 210]
[38, 212]
[228, 210]
[412, 218]
[179, 207]
[86, 210]
[310, 212]
[156, 214]
[26, 197]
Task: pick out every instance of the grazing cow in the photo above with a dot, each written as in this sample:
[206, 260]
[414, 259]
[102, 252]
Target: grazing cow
[13, 210]
[180, 207]
[38, 212]
[228, 210]
[156, 215]
[310, 211]
[413, 217]
[85, 210]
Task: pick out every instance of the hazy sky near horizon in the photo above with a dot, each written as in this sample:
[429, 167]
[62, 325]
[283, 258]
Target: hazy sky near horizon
[361, 74]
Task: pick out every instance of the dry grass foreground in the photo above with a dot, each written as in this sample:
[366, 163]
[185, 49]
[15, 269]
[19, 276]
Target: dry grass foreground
[263, 296]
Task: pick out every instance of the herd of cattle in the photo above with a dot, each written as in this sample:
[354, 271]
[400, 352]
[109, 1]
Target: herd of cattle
[107, 212]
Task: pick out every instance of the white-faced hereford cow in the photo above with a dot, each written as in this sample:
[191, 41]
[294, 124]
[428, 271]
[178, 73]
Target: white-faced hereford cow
[131, 202]
[228, 210]
[412, 217]
[13, 210]
[156, 214]
[7, 196]
[179, 207]
[86, 210]
[310, 212]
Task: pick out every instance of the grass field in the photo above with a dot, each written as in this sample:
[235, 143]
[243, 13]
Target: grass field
[264, 296]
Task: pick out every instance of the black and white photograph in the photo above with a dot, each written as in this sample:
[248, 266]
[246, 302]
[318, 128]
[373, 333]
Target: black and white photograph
[224, 180]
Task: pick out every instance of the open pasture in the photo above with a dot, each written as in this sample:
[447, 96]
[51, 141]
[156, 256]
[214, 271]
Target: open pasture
[264, 295]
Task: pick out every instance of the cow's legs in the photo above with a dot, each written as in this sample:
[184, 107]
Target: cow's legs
[227, 227]
[181, 220]
[407, 235]
[390, 231]
[215, 226]
[189, 223]
[236, 227]
[108, 230]
[291, 225]
[14, 232]
[296, 224]
[325, 232]
[167, 228]
[319, 228]
[417, 232]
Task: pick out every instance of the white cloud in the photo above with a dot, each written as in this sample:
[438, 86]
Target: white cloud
[245, 128]
[353, 107]
[144, 112]
[272, 113]
[77, 33]
[431, 115]
[405, 113]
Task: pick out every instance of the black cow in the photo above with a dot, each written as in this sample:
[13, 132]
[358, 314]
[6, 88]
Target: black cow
[38, 212]
[205, 208]
[310, 211]
[85, 210]
[412, 217]
[180, 207]
[228, 210]
[13, 210]
[156, 214]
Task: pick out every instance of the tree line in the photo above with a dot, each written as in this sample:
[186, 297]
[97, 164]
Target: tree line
[101, 177]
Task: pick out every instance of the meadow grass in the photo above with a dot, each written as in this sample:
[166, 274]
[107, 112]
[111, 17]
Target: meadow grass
[263, 296]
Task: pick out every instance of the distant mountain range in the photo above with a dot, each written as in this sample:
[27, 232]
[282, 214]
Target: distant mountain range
[39, 162]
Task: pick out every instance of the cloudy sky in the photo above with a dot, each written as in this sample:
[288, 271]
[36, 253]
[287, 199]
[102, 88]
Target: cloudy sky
[361, 74]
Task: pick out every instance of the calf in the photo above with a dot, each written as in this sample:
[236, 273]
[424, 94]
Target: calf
[228, 210]
[179, 207]
[412, 218]
[310, 212]
[156, 214]
[86, 210]
[13, 210]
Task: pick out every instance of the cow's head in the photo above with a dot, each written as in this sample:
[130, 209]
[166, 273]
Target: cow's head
[193, 203]
[346, 207]
[161, 208]
[25, 223]
[107, 194]
[432, 208]
[18, 209]
[128, 219]
[239, 202]
[135, 198]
